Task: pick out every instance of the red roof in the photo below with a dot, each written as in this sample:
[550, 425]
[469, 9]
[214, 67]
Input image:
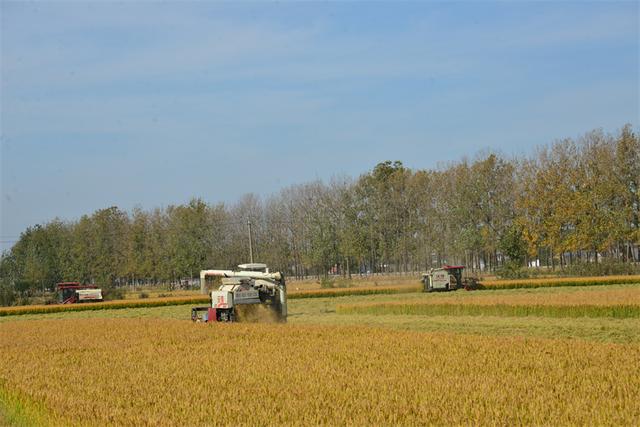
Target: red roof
[451, 267]
[74, 285]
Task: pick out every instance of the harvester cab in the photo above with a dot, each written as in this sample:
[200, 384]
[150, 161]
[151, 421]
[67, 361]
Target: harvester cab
[447, 278]
[253, 285]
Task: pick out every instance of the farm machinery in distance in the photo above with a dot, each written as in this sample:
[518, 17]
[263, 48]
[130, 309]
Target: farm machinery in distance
[74, 292]
[252, 287]
[447, 278]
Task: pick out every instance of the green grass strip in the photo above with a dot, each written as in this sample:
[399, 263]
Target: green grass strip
[504, 310]
[19, 410]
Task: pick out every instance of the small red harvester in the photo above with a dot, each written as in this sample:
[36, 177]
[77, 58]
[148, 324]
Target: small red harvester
[75, 292]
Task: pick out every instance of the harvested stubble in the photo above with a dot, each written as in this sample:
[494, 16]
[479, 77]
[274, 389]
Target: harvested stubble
[162, 372]
[565, 281]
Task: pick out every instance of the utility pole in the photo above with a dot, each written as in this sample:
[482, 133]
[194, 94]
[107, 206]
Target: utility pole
[250, 243]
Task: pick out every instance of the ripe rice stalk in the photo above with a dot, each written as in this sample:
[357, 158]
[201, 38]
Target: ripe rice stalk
[598, 295]
[622, 311]
[565, 281]
[101, 372]
[108, 305]
[338, 292]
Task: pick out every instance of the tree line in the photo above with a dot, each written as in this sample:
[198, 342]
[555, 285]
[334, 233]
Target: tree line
[572, 201]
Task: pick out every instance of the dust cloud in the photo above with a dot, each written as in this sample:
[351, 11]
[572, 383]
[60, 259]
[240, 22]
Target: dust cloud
[256, 313]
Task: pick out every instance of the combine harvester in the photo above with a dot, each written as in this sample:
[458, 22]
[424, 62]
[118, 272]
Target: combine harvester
[253, 287]
[447, 278]
[74, 293]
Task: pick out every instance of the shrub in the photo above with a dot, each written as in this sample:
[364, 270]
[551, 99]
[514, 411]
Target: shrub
[23, 299]
[342, 283]
[326, 283]
[604, 268]
[513, 270]
[110, 293]
[7, 294]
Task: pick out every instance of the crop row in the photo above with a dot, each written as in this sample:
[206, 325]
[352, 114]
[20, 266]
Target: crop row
[318, 293]
[598, 295]
[509, 310]
[165, 372]
[108, 305]
[562, 281]
[160, 302]
[340, 292]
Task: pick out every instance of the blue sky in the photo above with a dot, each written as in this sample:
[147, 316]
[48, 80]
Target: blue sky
[149, 104]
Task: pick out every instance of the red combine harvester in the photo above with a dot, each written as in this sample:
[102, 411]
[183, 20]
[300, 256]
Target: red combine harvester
[74, 292]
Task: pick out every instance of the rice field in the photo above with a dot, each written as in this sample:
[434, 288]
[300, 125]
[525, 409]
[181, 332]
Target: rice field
[165, 372]
[364, 287]
[505, 310]
[617, 303]
[107, 305]
[560, 281]
[194, 299]
[342, 359]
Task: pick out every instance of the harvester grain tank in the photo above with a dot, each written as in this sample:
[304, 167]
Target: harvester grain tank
[252, 285]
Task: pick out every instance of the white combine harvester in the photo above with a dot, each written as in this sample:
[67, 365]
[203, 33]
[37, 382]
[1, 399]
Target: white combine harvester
[448, 278]
[253, 285]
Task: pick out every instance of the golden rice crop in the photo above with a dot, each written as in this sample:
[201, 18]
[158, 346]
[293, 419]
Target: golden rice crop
[169, 372]
[561, 281]
[621, 311]
[107, 305]
[619, 303]
[315, 293]
[586, 296]
[363, 290]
